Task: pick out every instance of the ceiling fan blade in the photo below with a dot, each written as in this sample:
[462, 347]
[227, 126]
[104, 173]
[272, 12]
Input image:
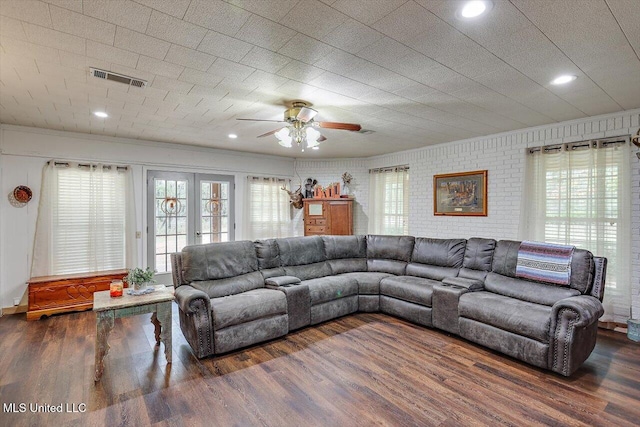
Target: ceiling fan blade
[268, 133]
[262, 120]
[340, 126]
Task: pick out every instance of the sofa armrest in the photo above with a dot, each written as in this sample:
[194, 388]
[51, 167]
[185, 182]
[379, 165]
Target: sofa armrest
[282, 281]
[189, 299]
[470, 284]
[573, 332]
[196, 319]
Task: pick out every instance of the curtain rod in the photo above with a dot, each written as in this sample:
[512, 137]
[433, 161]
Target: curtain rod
[270, 177]
[596, 143]
[88, 165]
[401, 168]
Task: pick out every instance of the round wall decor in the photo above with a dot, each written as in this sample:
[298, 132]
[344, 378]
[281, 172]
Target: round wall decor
[22, 193]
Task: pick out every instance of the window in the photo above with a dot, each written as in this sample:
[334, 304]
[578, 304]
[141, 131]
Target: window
[85, 220]
[389, 201]
[268, 213]
[579, 194]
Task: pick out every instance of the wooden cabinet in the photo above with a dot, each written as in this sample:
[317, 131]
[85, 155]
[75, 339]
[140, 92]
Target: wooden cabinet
[328, 216]
[71, 292]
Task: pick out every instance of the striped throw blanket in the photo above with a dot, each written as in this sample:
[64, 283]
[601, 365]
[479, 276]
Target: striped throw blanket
[545, 262]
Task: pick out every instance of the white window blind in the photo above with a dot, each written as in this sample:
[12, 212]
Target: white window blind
[86, 221]
[579, 194]
[268, 212]
[389, 201]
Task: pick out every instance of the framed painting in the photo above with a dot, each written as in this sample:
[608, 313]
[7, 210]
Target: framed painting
[463, 194]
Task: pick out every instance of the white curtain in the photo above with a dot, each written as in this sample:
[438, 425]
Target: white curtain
[86, 220]
[580, 194]
[389, 201]
[267, 212]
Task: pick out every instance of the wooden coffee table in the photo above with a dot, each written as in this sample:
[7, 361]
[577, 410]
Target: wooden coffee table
[108, 309]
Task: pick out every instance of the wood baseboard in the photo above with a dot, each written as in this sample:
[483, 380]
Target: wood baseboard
[612, 325]
[16, 309]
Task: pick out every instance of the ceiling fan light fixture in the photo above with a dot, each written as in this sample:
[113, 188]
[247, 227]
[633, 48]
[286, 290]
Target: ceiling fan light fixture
[284, 137]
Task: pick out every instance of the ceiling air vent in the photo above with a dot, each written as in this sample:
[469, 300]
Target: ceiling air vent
[119, 78]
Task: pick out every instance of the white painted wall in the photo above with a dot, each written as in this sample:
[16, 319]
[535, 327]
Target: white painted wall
[503, 155]
[24, 151]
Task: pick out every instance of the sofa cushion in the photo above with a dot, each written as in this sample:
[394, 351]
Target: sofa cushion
[267, 253]
[348, 265]
[408, 288]
[247, 306]
[218, 260]
[330, 288]
[478, 254]
[230, 285]
[308, 271]
[510, 314]
[430, 271]
[439, 252]
[539, 293]
[301, 250]
[339, 247]
[368, 281]
[505, 259]
[397, 248]
[387, 266]
[582, 270]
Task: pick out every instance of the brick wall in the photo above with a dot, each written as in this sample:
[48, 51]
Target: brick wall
[503, 155]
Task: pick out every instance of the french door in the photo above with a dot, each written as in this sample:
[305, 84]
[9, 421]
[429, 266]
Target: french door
[186, 209]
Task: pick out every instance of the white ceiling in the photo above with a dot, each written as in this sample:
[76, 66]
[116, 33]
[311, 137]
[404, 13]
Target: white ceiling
[407, 70]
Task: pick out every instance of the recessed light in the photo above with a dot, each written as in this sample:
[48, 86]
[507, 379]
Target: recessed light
[475, 8]
[101, 114]
[564, 79]
[315, 148]
[233, 136]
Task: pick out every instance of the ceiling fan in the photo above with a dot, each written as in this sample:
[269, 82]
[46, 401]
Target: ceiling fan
[301, 127]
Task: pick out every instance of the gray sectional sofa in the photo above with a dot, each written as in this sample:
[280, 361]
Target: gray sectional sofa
[235, 294]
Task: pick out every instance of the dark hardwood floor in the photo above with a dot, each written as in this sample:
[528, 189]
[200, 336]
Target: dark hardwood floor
[361, 370]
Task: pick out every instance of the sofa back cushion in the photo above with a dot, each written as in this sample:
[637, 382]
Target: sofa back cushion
[440, 252]
[389, 254]
[346, 254]
[478, 257]
[218, 260]
[526, 290]
[303, 257]
[505, 259]
[268, 255]
[436, 258]
[301, 250]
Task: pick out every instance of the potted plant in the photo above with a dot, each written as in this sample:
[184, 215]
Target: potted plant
[139, 278]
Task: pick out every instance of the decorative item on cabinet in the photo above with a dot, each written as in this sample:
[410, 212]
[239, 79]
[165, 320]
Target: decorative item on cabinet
[324, 216]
